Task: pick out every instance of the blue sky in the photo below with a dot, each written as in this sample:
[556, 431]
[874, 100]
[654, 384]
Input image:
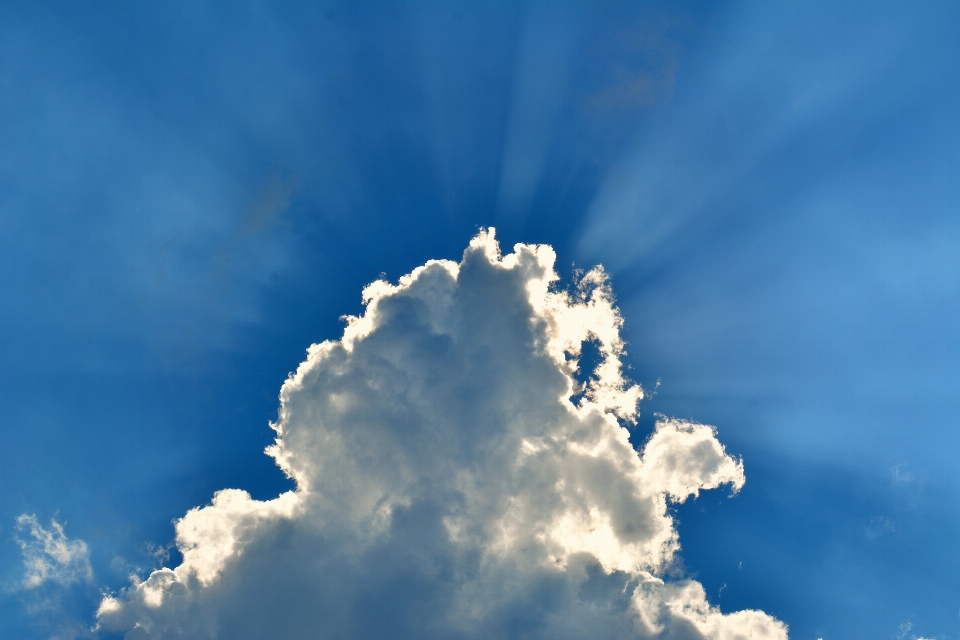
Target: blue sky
[191, 195]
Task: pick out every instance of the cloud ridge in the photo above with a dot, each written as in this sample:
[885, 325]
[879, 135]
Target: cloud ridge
[454, 480]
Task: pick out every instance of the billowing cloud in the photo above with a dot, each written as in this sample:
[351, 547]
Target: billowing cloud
[454, 480]
[50, 556]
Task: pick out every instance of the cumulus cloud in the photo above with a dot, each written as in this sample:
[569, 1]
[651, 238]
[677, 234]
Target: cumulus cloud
[454, 480]
[49, 556]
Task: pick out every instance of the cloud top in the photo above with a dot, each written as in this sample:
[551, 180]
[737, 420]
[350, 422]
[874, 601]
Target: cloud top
[454, 480]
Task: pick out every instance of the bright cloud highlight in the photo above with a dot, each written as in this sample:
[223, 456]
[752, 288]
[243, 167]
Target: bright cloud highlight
[454, 480]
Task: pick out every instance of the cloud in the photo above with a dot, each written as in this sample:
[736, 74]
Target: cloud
[57, 590]
[448, 486]
[49, 556]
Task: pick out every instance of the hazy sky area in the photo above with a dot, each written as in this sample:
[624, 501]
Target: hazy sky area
[191, 194]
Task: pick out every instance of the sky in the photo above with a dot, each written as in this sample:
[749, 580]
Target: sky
[193, 194]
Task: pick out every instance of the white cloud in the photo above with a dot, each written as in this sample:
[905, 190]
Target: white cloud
[448, 487]
[49, 556]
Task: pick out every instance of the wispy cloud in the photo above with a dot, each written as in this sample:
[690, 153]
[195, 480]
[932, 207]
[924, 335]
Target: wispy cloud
[50, 556]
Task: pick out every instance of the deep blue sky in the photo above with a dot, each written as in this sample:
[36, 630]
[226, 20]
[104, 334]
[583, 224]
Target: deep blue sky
[191, 194]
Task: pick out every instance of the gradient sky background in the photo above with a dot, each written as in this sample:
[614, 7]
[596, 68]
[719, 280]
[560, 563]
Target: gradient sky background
[192, 193]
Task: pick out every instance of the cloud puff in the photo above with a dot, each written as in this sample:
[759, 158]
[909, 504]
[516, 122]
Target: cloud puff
[49, 556]
[454, 480]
